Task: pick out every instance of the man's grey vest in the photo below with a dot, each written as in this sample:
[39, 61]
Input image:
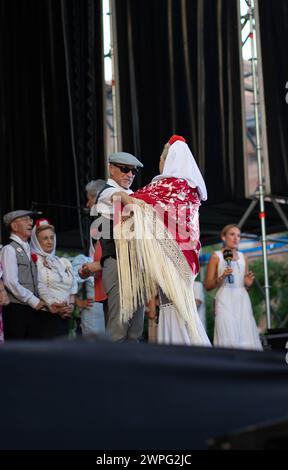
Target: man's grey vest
[27, 272]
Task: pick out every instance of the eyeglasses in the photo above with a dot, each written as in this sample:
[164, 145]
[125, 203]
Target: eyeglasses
[126, 169]
[26, 218]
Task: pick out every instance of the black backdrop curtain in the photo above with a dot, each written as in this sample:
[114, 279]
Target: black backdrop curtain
[179, 73]
[51, 85]
[274, 40]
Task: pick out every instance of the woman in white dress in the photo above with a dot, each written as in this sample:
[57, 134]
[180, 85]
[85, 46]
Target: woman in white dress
[57, 285]
[235, 326]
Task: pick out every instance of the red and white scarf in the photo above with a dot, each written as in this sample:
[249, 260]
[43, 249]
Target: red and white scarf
[178, 204]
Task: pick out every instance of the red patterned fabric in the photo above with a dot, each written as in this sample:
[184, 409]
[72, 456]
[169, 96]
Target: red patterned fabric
[179, 204]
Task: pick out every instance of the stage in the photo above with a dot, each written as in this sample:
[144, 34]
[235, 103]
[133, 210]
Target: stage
[80, 395]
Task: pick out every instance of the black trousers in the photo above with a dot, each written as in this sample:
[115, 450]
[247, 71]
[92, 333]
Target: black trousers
[20, 321]
[23, 322]
[52, 325]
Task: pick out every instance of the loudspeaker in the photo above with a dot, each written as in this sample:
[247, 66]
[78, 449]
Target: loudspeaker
[265, 436]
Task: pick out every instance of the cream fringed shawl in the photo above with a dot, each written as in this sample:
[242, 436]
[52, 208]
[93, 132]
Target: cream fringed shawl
[147, 257]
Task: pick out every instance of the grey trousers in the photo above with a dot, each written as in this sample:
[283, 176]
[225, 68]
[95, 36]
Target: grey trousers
[115, 328]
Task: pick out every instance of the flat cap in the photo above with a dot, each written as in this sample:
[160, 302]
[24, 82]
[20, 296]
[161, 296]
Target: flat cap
[10, 216]
[125, 159]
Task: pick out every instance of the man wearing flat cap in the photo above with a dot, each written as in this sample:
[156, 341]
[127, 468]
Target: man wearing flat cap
[122, 169]
[20, 279]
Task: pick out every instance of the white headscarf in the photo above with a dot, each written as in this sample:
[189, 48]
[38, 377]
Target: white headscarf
[180, 163]
[35, 245]
[52, 261]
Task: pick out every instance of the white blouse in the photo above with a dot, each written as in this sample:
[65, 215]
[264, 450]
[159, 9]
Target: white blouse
[55, 286]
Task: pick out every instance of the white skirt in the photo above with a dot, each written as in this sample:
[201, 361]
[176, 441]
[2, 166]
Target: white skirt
[172, 329]
[235, 326]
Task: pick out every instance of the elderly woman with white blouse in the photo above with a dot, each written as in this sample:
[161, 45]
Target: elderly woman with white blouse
[57, 285]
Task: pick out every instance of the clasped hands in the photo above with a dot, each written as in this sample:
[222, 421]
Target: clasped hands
[64, 309]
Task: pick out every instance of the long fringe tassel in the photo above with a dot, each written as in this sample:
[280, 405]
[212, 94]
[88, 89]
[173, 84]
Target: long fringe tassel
[146, 261]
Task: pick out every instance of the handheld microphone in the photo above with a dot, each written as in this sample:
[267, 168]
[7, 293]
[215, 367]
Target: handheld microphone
[228, 256]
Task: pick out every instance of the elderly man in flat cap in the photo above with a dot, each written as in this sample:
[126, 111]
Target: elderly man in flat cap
[20, 279]
[122, 169]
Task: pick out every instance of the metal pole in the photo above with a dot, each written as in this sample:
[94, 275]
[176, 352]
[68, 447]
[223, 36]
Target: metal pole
[262, 214]
[115, 78]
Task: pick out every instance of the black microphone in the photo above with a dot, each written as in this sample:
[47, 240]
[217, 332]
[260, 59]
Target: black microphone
[228, 256]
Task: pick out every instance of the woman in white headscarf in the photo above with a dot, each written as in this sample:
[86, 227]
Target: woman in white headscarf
[158, 247]
[56, 283]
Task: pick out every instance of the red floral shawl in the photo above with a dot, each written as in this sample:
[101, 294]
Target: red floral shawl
[179, 203]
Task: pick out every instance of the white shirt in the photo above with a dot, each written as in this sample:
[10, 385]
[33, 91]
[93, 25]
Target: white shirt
[104, 205]
[10, 273]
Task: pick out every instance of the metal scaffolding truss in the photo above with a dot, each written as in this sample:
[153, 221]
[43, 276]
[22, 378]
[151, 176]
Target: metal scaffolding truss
[255, 130]
[248, 21]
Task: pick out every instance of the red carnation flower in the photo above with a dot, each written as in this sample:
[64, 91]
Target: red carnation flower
[175, 137]
[34, 258]
[40, 222]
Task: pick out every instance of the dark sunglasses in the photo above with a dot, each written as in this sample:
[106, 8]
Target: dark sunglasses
[126, 169]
